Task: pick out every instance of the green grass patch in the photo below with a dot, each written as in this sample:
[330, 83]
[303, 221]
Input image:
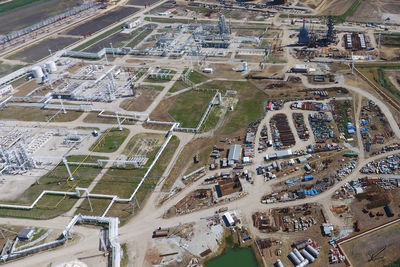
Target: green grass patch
[125, 257]
[379, 77]
[87, 128]
[21, 113]
[51, 206]
[178, 86]
[99, 206]
[190, 106]
[394, 264]
[249, 108]
[196, 77]
[17, 4]
[93, 118]
[348, 12]
[212, 119]
[123, 181]
[110, 141]
[99, 38]
[7, 68]
[134, 42]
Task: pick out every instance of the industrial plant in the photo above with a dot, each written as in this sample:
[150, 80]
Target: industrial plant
[156, 133]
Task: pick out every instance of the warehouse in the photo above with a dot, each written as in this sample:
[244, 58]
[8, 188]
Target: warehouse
[234, 153]
[299, 68]
[278, 155]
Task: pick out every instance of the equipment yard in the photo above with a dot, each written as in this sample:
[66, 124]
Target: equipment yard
[199, 133]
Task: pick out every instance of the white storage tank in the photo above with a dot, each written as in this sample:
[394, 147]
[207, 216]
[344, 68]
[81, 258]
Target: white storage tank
[307, 255]
[312, 251]
[298, 255]
[294, 259]
[37, 72]
[278, 263]
[51, 66]
[244, 65]
[303, 263]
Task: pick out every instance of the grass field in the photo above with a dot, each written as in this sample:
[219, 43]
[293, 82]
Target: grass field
[36, 114]
[16, 4]
[53, 205]
[93, 118]
[348, 12]
[7, 69]
[249, 108]
[196, 77]
[123, 182]
[178, 86]
[212, 119]
[134, 42]
[190, 106]
[110, 141]
[379, 77]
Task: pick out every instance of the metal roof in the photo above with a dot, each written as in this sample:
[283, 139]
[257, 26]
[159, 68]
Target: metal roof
[234, 152]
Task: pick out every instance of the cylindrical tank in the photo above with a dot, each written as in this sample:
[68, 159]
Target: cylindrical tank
[294, 259]
[303, 263]
[244, 65]
[307, 255]
[312, 251]
[51, 66]
[298, 255]
[37, 72]
[278, 263]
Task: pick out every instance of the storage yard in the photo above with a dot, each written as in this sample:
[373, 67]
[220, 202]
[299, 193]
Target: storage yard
[210, 128]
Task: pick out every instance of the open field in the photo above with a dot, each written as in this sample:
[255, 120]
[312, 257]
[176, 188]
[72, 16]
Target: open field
[194, 101]
[40, 50]
[141, 2]
[18, 14]
[336, 7]
[7, 69]
[379, 77]
[360, 250]
[249, 108]
[92, 42]
[375, 11]
[133, 43]
[201, 146]
[110, 141]
[102, 21]
[123, 182]
[143, 100]
[57, 179]
[93, 118]
[20, 113]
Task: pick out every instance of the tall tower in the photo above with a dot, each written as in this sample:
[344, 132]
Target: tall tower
[330, 35]
[304, 36]
[222, 27]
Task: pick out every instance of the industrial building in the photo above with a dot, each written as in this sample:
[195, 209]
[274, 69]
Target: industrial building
[235, 151]
[278, 155]
[299, 68]
[25, 234]
[355, 41]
